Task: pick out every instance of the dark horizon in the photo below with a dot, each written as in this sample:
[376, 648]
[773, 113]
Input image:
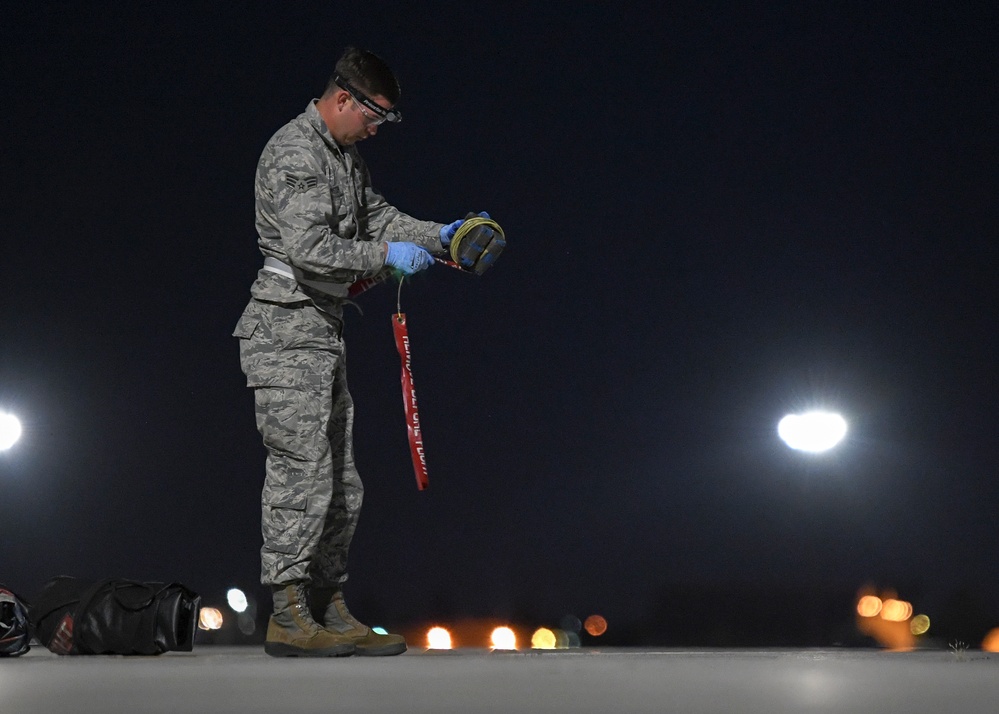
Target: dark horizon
[716, 216]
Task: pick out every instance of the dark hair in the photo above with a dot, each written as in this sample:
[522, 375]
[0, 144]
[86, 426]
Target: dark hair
[366, 71]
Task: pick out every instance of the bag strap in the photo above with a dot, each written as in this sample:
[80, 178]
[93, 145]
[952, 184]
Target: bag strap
[117, 584]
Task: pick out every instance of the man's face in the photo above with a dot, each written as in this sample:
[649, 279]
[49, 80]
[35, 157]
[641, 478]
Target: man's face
[358, 122]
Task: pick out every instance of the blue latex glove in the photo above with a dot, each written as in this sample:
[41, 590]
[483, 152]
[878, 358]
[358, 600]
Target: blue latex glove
[408, 258]
[448, 231]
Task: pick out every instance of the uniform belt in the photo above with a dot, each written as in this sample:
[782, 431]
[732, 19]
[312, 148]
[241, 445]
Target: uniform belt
[329, 287]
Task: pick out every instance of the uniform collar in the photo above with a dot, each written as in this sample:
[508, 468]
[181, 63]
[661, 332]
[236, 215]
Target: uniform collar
[316, 120]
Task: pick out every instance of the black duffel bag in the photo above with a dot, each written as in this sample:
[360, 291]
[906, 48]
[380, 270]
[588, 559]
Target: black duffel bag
[115, 617]
[15, 630]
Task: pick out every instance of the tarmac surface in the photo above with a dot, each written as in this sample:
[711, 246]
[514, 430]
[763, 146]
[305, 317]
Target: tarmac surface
[243, 679]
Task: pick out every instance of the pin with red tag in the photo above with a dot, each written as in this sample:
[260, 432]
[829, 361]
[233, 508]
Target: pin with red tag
[409, 401]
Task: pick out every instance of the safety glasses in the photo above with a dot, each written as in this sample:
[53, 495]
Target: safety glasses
[373, 112]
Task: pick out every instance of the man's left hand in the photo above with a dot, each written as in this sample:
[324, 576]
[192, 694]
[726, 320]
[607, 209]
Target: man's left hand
[448, 231]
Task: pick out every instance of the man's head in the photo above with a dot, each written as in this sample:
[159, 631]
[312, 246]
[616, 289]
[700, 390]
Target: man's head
[359, 96]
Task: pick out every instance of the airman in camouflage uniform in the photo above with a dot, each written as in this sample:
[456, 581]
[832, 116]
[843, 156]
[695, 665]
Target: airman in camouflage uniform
[321, 227]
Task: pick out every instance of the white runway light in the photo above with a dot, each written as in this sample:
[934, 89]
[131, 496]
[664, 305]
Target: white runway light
[813, 432]
[10, 430]
[237, 599]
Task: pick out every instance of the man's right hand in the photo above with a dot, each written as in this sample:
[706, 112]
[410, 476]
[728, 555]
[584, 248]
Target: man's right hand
[408, 258]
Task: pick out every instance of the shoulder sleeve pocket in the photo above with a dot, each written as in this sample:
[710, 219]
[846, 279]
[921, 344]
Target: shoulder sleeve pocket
[246, 326]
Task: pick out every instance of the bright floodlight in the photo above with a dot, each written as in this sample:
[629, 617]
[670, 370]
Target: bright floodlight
[10, 430]
[237, 600]
[812, 432]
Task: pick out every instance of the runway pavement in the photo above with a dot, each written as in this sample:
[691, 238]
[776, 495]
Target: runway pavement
[242, 679]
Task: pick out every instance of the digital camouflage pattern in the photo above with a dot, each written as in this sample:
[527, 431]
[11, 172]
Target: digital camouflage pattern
[294, 359]
[316, 212]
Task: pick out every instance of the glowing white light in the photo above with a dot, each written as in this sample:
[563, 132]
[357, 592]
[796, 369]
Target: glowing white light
[813, 431]
[237, 600]
[379, 630]
[10, 430]
[438, 639]
[504, 639]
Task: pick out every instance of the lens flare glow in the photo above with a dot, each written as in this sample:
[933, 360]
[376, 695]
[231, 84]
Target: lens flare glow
[543, 639]
[991, 641]
[438, 639]
[209, 619]
[595, 625]
[896, 610]
[237, 600]
[10, 430]
[503, 638]
[812, 432]
[869, 606]
[920, 625]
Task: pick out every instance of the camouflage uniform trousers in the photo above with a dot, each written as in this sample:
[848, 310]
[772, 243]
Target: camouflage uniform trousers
[294, 360]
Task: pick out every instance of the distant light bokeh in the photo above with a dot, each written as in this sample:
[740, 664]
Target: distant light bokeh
[503, 638]
[919, 625]
[896, 610]
[210, 619]
[813, 432]
[571, 623]
[889, 621]
[991, 641]
[438, 639]
[10, 430]
[543, 639]
[869, 606]
[595, 625]
[237, 599]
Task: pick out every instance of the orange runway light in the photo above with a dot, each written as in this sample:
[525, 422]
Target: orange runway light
[886, 619]
[503, 638]
[869, 606]
[595, 625]
[438, 639]
[991, 641]
[896, 610]
[209, 619]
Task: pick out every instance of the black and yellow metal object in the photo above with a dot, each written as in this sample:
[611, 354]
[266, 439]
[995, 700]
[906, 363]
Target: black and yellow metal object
[477, 243]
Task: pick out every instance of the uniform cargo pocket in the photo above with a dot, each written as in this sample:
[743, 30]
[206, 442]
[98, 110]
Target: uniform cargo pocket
[282, 522]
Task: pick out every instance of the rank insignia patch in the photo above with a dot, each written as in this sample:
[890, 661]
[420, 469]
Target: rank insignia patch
[300, 184]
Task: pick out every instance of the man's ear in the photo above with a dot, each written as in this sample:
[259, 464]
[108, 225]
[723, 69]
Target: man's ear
[340, 99]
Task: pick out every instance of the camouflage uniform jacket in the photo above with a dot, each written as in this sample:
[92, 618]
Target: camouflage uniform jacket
[317, 212]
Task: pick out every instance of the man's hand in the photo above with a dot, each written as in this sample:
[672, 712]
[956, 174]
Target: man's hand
[408, 258]
[448, 231]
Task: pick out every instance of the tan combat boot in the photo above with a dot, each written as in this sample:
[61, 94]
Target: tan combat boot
[337, 618]
[292, 632]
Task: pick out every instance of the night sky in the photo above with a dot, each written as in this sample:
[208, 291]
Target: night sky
[717, 213]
